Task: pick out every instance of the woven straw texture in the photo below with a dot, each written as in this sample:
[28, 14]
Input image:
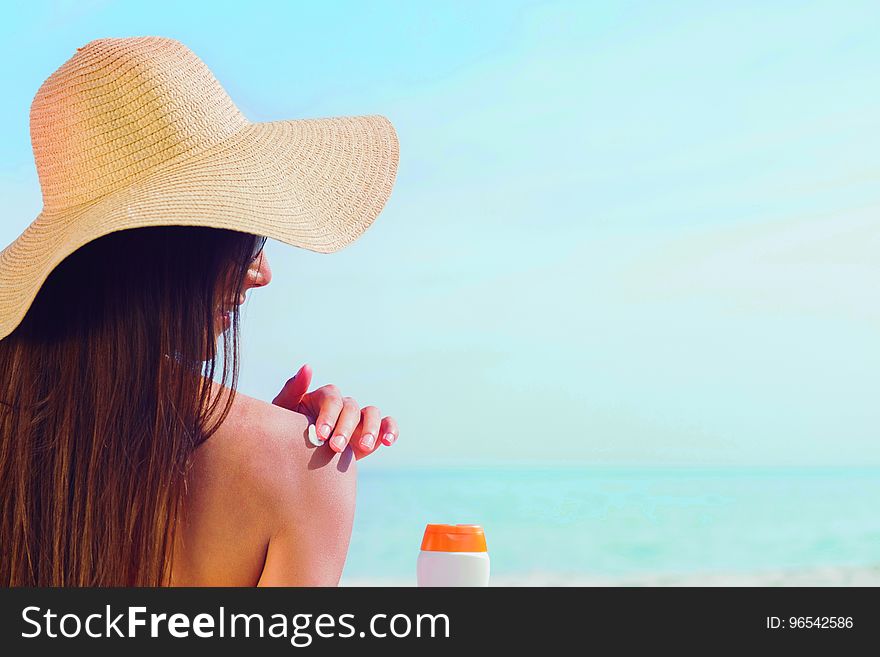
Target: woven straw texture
[137, 131]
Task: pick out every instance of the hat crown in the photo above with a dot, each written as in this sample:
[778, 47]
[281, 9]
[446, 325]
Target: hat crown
[118, 110]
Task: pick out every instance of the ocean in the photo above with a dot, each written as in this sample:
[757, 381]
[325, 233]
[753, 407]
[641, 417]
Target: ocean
[628, 526]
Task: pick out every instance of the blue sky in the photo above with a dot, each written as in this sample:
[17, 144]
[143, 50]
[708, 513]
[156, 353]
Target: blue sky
[622, 234]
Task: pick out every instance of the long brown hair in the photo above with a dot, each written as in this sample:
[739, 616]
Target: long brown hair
[105, 393]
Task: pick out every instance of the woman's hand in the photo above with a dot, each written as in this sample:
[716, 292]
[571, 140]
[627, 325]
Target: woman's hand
[337, 416]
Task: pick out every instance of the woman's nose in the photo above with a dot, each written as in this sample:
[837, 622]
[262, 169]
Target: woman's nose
[261, 274]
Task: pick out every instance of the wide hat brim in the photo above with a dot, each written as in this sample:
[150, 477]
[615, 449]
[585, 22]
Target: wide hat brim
[316, 184]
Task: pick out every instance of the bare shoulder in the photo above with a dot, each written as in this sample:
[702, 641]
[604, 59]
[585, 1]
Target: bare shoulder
[256, 481]
[269, 448]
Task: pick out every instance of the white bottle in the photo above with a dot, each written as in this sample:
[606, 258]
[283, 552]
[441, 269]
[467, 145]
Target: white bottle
[453, 555]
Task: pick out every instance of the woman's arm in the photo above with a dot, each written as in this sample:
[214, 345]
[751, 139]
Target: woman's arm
[264, 505]
[310, 502]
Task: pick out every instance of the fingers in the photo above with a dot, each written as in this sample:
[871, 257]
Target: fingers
[369, 434]
[341, 418]
[388, 430]
[294, 389]
[328, 413]
[349, 418]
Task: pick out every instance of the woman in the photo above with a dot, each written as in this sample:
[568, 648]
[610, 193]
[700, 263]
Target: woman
[122, 460]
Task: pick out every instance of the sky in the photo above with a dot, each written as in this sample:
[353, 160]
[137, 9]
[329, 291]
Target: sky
[621, 233]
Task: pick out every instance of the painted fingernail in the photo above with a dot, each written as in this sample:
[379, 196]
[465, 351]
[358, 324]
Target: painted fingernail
[338, 442]
[324, 430]
[367, 441]
[388, 438]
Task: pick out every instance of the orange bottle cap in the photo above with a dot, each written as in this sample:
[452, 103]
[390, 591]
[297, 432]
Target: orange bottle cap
[454, 538]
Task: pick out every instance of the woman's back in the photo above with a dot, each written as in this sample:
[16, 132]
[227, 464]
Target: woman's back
[263, 505]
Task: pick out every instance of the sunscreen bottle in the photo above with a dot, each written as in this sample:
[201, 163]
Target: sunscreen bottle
[453, 555]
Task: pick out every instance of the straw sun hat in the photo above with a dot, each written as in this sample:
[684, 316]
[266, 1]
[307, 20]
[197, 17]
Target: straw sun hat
[137, 132]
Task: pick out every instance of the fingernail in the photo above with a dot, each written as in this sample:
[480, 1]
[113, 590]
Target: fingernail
[388, 439]
[367, 441]
[338, 442]
[324, 430]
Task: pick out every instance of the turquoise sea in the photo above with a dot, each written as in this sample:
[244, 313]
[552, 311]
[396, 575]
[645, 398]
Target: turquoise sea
[628, 525]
